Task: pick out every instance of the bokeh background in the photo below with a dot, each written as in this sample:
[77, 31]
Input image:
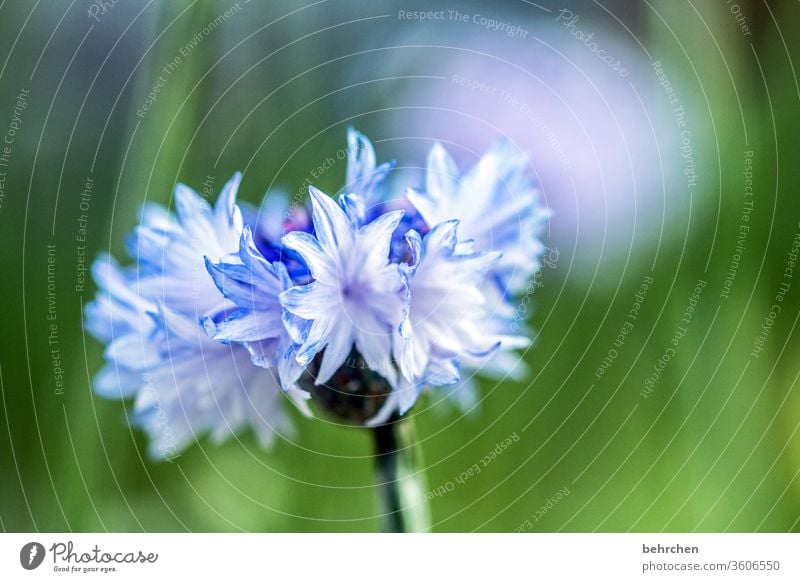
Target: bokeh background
[663, 134]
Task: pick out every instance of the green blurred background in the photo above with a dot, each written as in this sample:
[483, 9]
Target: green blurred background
[270, 91]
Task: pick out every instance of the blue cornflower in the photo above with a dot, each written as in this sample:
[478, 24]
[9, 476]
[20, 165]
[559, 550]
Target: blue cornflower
[498, 206]
[357, 296]
[184, 383]
[446, 310]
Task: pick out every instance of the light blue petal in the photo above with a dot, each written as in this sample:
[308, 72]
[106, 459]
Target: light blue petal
[316, 340]
[442, 174]
[244, 325]
[297, 327]
[308, 301]
[427, 207]
[485, 352]
[444, 235]
[414, 241]
[132, 351]
[190, 206]
[224, 209]
[362, 177]
[148, 245]
[407, 394]
[252, 258]
[331, 225]
[360, 159]
[377, 237]
[289, 370]
[340, 342]
[235, 283]
[354, 207]
[442, 371]
[116, 382]
[263, 353]
[309, 249]
[385, 412]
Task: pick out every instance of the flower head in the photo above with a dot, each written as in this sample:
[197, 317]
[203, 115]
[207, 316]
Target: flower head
[360, 302]
[356, 298]
[446, 309]
[184, 384]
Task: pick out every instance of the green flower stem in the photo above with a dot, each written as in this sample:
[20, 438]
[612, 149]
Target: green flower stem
[400, 480]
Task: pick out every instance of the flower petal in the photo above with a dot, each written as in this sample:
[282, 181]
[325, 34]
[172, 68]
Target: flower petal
[333, 229]
[308, 247]
[442, 174]
[340, 342]
[310, 301]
